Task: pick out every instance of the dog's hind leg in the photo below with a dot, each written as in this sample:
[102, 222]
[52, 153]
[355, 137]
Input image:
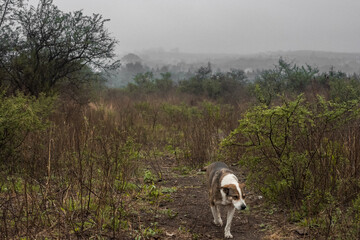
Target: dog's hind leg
[216, 214]
[230, 215]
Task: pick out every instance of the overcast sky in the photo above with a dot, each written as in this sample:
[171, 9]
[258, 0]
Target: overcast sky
[228, 26]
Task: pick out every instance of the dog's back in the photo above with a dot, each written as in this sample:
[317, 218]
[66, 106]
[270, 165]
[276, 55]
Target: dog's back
[213, 168]
[214, 173]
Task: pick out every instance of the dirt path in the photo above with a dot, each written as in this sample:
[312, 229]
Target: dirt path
[190, 216]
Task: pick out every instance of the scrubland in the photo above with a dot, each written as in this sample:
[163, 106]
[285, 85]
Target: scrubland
[91, 169]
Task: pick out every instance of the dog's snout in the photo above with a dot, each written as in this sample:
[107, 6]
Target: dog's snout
[243, 206]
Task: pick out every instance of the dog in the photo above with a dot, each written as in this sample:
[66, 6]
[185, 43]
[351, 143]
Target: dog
[224, 189]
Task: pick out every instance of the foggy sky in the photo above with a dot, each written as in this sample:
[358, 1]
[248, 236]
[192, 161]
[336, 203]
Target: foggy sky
[228, 26]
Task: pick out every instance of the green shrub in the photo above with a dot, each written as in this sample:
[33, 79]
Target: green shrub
[298, 153]
[301, 155]
[284, 78]
[19, 116]
[215, 85]
[344, 89]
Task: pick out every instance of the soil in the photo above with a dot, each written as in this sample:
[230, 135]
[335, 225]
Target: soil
[190, 216]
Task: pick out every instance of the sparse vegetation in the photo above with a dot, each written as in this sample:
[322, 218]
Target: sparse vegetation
[74, 168]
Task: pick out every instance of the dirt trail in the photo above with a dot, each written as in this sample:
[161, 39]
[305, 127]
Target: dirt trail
[194, 218]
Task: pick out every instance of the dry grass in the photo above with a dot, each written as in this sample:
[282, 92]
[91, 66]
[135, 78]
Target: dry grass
[78, 177]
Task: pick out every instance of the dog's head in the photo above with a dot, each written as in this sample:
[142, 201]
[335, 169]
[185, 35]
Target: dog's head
[234, 193]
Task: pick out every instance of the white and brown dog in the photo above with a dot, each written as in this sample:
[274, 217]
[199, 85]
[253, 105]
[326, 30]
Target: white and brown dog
[224, 189]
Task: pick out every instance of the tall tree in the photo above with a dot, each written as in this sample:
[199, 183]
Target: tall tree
[46, 46]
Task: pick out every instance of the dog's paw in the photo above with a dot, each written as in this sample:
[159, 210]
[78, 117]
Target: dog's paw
[218, 223]
[228, 235]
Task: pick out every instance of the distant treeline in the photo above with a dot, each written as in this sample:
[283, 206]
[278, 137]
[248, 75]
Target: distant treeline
[266, 87]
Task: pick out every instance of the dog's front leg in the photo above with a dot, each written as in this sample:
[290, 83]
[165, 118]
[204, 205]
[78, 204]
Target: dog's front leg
[230, 215]
[216, 214]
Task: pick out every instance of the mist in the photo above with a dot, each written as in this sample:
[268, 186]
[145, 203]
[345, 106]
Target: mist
[231, 26]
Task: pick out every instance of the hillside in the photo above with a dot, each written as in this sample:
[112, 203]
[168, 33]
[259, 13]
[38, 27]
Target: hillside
[346, 62]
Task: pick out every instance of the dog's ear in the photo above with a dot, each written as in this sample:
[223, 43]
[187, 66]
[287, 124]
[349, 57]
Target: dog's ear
[226, 190]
